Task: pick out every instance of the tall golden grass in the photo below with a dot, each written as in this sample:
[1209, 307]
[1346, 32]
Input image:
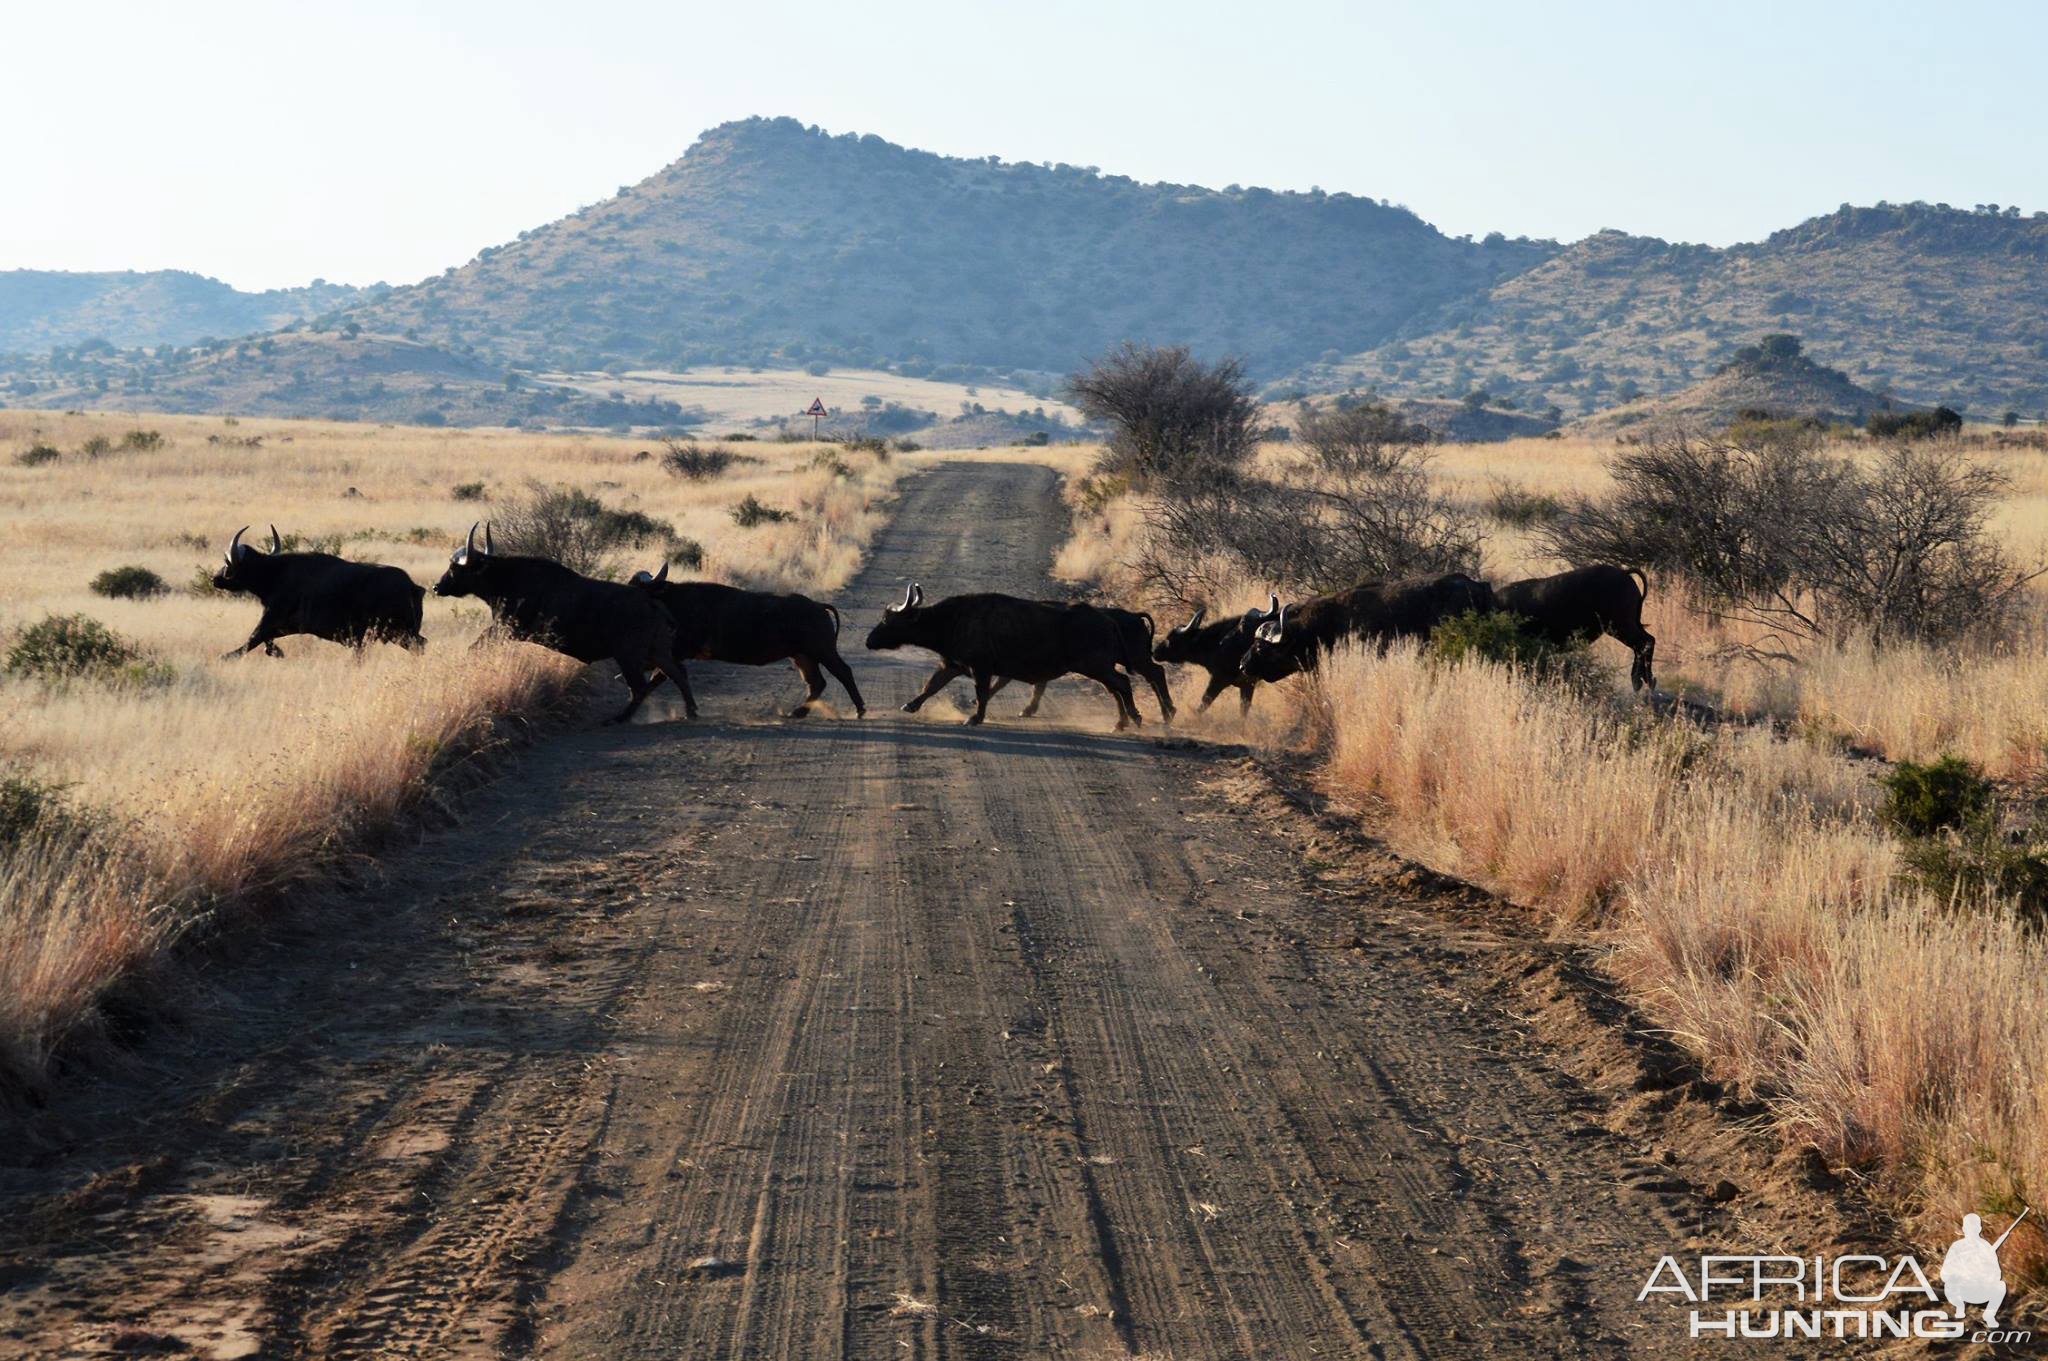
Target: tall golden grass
[216, 792]
[1748, 895]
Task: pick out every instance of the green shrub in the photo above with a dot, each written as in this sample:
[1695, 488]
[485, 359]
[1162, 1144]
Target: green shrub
[1922, 799]
[128, 583]
[686, 553]
[1979, 860]
[28, 805]
[1495, 636]
[906, 446]
[143, 441]
[751, 512]
[467, 491]
[1520, 508]
[201, 583]
[69, 646]
[1914, 424]
[95, 446]
[36, 455]
[576, 529]
[866, 444]
[685, 459]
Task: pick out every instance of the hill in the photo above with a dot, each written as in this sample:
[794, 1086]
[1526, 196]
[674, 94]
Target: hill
[1929, 303]
[43, 309]
[1774, 378]
[774, 244]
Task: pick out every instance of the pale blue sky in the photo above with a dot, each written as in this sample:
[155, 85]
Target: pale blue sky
[267, 143]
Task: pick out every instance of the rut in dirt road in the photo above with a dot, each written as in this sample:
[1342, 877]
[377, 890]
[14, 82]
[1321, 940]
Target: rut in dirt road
[831, 1038]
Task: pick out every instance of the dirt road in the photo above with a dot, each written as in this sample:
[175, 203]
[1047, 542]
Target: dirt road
[753, 1038]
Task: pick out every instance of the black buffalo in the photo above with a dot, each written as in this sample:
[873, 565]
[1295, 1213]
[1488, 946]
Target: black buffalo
[987, 636]
[717, 623]
[538, 601]
[1134, 641]
[1376, 610]
[1219, 649]
[1585, 603]
[318, 593]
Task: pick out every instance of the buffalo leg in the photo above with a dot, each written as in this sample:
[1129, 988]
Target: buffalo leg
[1217, 685]
[1119, 687]
[843, 673]
[941, 678]
[1156, 674]
[1244, 697]
[666, 663]
[260, 637]
[1644, 646]
[808, 669]
[983, 688]
[1037, 694]
[636, 682]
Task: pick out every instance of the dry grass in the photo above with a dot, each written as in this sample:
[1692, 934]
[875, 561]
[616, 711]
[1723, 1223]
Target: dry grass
[1751, 901]
[214, 792]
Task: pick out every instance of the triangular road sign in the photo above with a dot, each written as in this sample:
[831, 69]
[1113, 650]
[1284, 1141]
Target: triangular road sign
[817, 407]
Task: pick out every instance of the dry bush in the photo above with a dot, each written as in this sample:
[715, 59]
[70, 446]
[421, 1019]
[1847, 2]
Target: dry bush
[1170, 416]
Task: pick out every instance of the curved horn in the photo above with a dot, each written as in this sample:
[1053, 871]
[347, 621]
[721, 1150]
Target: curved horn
[235, 546]
[1195, 621]
[276, 544]
[1283, 617]
[488, 549]
[1272, 605]
[662, 575]
[907, 591]
[917, 590]
[469, 544]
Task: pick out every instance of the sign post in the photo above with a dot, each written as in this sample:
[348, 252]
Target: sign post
[816, 412]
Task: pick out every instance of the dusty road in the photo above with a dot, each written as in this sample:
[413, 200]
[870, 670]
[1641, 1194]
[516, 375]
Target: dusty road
[752, 1038]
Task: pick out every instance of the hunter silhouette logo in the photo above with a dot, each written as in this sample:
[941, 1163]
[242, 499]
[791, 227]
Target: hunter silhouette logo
[1857, 1295]
[1970, 1272]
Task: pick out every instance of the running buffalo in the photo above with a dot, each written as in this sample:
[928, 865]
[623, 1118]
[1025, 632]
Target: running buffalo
[717, 623]
[1134, 638]
[1379, 610]
[535, 600]
[1219, 649]
[989, 635]
[1585, 603]
[321, 594]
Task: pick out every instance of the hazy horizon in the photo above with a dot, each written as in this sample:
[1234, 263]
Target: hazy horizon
[394, 141]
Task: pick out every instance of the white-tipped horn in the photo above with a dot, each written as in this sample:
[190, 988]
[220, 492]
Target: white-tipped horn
[1272, 605]
[1194, 621]
[469, 544]
[907, 591]
[1283, 617]
[488, 549]
[662, 575]
[276, 544]
[235, 545]
[917, 593]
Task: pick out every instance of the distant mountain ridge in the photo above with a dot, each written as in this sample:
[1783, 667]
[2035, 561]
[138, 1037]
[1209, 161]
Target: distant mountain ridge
[770, 244]
[41, 309]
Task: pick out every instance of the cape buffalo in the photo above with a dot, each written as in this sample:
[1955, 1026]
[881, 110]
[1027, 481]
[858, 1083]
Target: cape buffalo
[538, 601]
[1219, 649]
[717, 623]
[1585, 603]
[318, 593]
[991, 635]
[1134, 637]
[1378, 610]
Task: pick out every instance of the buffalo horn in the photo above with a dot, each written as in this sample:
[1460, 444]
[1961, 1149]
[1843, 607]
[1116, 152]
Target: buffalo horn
[917, 593]
[276, 544]
[1194, 622]
[488, 549]
[469, 545]
[662, 575]
[906, 597]
[236, 546]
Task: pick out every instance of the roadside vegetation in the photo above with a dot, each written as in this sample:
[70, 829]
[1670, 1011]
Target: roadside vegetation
[149, 790]
[1825, 872]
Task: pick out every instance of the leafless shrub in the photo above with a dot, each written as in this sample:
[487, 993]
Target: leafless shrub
[1367, 510]
[576, 529]
[1805, 543]
[1367, 438]
[1170, 416]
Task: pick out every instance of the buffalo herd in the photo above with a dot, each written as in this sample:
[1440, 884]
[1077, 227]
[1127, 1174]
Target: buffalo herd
[650, 626]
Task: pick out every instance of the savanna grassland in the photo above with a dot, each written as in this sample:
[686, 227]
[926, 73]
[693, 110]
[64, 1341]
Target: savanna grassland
[1735, 858]
[153, 789]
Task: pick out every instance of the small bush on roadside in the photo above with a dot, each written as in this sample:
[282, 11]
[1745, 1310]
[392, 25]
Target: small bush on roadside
[128, 583]
[1978, 860]
[1508, 640]
[576, 529]
[1922, 798]
[866, 444]
[467, 491]
[36, 455]
[751, 512]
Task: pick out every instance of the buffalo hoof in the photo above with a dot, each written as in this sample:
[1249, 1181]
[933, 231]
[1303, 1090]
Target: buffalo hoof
[974, 720]
[912, 707]
[799, 711]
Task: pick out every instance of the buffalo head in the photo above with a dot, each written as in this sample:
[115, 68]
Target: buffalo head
[243, 567]
[1275, 651]
[897, 627]
[649, 581]
[470, 566]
